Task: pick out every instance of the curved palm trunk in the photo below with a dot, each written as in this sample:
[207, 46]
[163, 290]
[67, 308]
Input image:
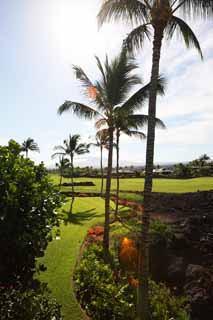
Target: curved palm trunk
[117, 172]
[143, 267]
[107, 198]
[72, 181]
[102, 173]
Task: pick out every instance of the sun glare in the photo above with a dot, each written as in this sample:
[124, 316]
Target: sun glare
[74, 27]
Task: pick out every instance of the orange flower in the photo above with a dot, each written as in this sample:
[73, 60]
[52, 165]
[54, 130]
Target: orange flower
[133, 282]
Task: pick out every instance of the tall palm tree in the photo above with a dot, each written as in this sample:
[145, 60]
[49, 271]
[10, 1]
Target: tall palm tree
[112, 90]
[101, 142]
[157, 18]
[29, 144]
[71, 148]
[129, 123]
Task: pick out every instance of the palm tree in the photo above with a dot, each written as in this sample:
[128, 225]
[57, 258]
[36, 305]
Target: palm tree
[112, 90]
[71, 148]
[155, 17]
[128, 123]
[203, 158]
[29, 144]
[62, 164]
[101, 142]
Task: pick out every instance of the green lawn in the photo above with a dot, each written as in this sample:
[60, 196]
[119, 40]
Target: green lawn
[61, 255]
[136, 184]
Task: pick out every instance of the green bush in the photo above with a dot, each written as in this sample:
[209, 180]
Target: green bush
[161, 232]
[98, 292]
[16, 304]
[105, 294]
[28, 203]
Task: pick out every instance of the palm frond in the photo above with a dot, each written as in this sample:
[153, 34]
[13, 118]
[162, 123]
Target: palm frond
[129, 10]
[81, 110]
[100, 122]
[137, 121]
[159, 124]
[136, 37]
[61, 148]
[178, 25]
[81, 75]
[56, 154]
[100, 67]
[202, 8]
[137, 100]
[82, 148]
[119, 78]
[136, 134]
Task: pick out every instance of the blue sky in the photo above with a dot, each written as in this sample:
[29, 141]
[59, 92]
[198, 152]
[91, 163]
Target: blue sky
[40, 40]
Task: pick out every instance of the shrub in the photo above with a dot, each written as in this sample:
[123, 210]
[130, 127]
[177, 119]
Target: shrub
[98, 291]
[107, 294]
[16, 304]
[161, 232]
[28, 203]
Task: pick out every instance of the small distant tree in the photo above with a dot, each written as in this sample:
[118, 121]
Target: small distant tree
[203, 159]
[182, 170]
[31, 145]
[62, 165]
[28, 204]
[102, 139]
[71, 148]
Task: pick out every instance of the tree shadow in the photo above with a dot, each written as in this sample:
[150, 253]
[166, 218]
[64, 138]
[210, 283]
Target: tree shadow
[80, 217]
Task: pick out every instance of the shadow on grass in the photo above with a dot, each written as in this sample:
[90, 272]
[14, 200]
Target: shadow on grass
[79, 217]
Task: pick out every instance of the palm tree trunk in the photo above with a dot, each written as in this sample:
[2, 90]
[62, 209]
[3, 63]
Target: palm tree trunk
[143, 266]
[107, 198]
[26, 154]
[61, 174]
[117, 172]
[102, 173]
[72, 181]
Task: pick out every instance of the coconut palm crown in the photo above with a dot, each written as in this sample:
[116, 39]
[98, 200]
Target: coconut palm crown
[29, 145]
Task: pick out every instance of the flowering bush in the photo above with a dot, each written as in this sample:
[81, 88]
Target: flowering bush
[108, 294]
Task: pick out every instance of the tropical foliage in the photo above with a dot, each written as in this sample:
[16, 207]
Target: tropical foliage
[28, 204]
[112, 295]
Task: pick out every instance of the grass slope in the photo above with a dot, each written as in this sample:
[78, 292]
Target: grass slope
[61, 255]
[136, 184]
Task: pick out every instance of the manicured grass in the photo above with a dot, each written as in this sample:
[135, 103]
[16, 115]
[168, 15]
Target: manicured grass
[136, 184]
[131, 196]
[61, 255]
